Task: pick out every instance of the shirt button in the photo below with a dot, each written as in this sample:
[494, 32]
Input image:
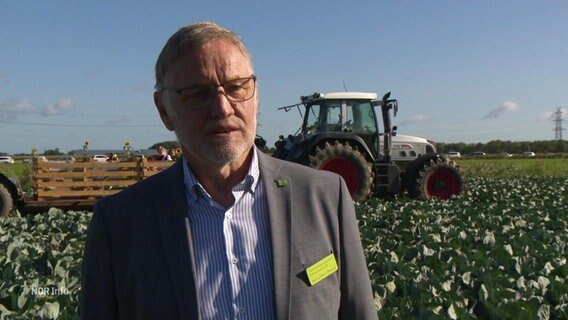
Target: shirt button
[234, 260]
[229, 215]
[241, 310]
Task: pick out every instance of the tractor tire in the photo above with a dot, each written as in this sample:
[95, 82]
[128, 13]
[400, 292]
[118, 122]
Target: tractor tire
[349, 163]
[440, 178]
[6, 201]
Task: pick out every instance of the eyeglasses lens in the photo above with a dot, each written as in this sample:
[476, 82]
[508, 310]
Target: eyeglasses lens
[236, 90]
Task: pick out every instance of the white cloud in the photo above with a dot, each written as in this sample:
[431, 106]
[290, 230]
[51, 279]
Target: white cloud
[505, 107]
[550, 116]
[62, 106]
[547, 116]
[414, 119]
[11, 108]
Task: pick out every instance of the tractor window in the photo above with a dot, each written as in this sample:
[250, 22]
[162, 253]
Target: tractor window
[362, 118]
[312, 119]
[331, 115]
[323, 118]
[361, 121]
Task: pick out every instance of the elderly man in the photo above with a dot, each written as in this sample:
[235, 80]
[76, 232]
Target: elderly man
[226, 232]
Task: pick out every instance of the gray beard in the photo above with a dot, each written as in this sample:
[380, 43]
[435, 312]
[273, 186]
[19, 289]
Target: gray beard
[222, 154]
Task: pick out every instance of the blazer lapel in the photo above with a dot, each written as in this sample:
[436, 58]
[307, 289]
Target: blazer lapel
[171, 210]
[278, 189]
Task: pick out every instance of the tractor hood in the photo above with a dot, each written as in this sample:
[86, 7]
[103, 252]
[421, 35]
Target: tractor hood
[401, 138]
[407, 147]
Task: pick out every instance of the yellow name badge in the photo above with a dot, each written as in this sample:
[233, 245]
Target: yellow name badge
[321, 269]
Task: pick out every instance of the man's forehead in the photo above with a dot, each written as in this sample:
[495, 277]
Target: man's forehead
[217, 49]
[212, 60]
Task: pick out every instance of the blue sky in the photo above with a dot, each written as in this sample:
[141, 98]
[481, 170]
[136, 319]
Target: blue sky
[471, 71]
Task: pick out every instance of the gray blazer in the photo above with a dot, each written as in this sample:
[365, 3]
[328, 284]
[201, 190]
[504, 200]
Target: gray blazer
[138, 259]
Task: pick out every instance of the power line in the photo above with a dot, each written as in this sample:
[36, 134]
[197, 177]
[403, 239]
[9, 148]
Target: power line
[558, 124]
[114, 125]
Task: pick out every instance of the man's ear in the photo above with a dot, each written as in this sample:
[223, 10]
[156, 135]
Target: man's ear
[162, 110]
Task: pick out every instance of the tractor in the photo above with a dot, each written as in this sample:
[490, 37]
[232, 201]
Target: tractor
[340, 133]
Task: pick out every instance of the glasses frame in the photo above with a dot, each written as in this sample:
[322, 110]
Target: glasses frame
[214, 90]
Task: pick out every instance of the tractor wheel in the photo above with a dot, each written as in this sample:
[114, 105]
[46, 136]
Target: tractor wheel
[6, 201]
[440, 178]
[349, 163]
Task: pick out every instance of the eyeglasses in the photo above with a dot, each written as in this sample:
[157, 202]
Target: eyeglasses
[200, 96]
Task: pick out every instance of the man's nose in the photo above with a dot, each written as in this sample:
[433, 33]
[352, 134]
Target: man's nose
[221, 106]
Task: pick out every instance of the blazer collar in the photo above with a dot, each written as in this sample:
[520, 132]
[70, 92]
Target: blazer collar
[171, 209]
[278, 189]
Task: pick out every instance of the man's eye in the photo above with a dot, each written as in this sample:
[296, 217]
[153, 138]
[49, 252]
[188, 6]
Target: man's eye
[234, 88]
[196, 93]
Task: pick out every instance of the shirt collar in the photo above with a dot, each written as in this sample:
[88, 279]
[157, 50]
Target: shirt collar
[194, 190]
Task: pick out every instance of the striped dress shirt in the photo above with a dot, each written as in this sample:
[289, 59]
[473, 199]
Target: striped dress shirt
[232, 250]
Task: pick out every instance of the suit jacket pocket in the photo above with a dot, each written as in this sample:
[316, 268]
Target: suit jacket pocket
[321, 299]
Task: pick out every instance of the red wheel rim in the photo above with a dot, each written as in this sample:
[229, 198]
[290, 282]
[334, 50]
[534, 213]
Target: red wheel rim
[346, 169]
[442, 184]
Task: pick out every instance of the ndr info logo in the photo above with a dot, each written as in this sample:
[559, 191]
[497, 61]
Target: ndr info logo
[49, 291]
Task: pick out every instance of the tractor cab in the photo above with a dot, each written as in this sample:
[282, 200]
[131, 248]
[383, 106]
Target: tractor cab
[349, 113]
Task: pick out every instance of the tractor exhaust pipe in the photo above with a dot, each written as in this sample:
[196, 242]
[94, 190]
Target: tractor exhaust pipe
[386, 105]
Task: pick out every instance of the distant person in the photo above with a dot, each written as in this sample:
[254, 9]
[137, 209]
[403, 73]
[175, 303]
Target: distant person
[163, 154]
[228, 232]
[112, 157]
[172, 154]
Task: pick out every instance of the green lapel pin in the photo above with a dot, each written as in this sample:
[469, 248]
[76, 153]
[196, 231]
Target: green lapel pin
[281, 182]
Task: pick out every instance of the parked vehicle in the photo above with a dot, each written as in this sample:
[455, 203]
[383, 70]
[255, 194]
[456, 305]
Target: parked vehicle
[454, 154]
[100, 158]
[477, 154]
[340, 133]
[529, 154]
[6, 159]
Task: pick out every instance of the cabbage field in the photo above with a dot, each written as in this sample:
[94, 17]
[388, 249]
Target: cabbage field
[497, 252]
